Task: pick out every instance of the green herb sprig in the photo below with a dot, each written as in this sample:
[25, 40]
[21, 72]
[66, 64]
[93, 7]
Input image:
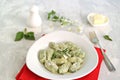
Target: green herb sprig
[24, 34]
[55, 18]
[107, 37]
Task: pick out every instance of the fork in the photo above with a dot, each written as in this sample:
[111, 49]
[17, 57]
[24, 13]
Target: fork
[94, 39]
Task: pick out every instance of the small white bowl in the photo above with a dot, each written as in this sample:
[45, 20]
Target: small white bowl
[89, 18]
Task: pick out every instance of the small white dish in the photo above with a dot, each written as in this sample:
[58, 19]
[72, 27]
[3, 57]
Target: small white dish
[90, 63]
[90, 20]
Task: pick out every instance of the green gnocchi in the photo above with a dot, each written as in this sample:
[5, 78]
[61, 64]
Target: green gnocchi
[62, 58]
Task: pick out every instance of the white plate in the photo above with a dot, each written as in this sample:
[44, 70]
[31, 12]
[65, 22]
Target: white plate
[90, 20]
[90, 63]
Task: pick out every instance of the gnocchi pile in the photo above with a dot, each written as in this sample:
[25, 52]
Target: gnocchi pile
[62, 57]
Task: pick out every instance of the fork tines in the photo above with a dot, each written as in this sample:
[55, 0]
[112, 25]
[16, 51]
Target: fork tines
[93, 35]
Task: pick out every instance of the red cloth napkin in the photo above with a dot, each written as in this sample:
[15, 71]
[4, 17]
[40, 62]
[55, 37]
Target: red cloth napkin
[26, 74]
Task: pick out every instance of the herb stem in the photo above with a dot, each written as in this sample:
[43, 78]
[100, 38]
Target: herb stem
[25, 31]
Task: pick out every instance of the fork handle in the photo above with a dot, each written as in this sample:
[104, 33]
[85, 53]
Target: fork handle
[107, 61]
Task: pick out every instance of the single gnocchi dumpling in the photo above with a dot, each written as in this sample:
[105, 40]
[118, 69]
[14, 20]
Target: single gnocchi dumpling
[68, 44]
[61, 46]
[42, 56]
[72, 59]
[49, 53]
[64, 68]
[56, 55]
[59, 61]
[53, 45]
[74, 67]
[51, 66]
[75, 59]
[82, 54]
[79, 60]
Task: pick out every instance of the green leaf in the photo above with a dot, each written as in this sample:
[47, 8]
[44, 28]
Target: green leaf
[52, 13]
[19, 36]
[29, 36]
[49, 15]
[61, 19]
[107, 37]
[53, 17]
[64, 21]
[56, 17]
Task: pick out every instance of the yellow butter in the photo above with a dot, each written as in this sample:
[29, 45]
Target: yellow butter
[99, 19]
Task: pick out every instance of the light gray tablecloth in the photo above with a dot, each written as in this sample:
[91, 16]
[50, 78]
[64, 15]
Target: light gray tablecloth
[13, 17]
